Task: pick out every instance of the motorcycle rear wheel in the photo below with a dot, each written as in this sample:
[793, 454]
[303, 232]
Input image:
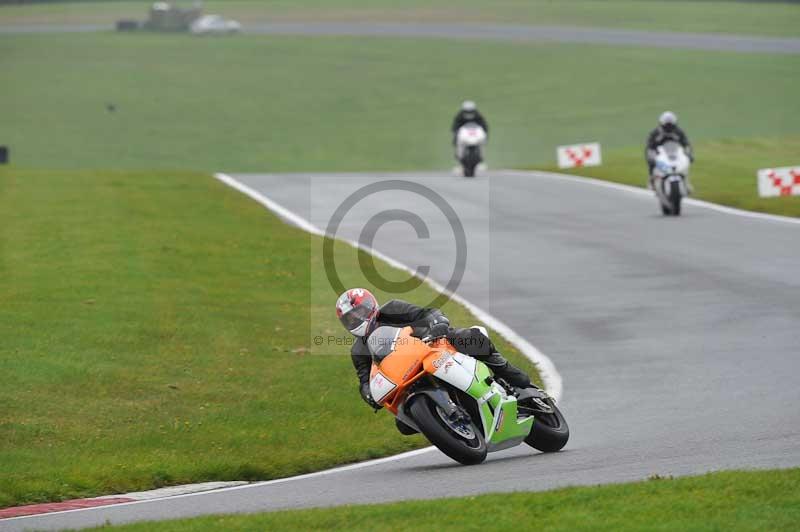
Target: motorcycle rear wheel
[467, 451]
[550, 432]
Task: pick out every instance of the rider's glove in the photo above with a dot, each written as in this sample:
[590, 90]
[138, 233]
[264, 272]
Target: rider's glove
[439, 330]
[366, 395]
[438, 327]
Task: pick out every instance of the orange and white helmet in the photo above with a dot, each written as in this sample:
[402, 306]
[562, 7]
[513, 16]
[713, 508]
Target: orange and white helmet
[357, 309]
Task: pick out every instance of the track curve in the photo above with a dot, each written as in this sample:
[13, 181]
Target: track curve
[677, 340]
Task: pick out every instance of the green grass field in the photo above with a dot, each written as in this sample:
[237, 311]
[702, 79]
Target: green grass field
[155, 329]
[757, 501]
[333, 104]
[759, 18]
[327, 104]
[724, 171]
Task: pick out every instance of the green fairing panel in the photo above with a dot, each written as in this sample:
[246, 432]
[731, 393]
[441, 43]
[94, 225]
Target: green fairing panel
[479, 389]
[499, 416]
[508, 426]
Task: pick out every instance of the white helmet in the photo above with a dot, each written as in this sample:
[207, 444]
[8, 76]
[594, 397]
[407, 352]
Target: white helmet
[667, 117]
[468, 105]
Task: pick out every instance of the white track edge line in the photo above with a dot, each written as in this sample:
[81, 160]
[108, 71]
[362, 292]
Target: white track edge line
[648, 193]
[339, 469]
[170, 491]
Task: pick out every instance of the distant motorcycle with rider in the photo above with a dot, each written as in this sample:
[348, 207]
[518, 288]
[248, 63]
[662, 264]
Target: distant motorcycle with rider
[470, 134]
[669, 156]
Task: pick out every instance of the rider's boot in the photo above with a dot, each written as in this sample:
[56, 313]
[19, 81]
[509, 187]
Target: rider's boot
[475, 342]
[503, 369]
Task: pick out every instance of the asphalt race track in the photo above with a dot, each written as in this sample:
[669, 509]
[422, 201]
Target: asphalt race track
[497, 32]
[677, 339]
[559, 34]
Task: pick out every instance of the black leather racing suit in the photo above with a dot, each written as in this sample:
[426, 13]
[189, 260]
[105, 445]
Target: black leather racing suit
[465, 117]
[471, 342]
[659, 136]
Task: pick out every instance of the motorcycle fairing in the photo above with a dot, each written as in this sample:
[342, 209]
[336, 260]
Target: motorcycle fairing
[499, 415]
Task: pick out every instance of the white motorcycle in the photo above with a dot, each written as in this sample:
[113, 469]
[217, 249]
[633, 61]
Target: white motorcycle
[671, 177]
[470, 140]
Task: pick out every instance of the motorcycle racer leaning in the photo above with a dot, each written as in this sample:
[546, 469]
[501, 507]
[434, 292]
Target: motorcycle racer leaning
[360, 314]
[667, 130]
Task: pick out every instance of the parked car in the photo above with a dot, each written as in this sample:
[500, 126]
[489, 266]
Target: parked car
[214, 24]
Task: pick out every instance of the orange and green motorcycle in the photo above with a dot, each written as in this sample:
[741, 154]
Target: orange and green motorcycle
[455, 402]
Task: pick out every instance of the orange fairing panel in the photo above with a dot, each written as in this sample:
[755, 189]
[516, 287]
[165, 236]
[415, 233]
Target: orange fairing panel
[408, 354]
[404, 365]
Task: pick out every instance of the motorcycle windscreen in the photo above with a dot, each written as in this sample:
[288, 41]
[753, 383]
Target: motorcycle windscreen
[671, 148]
[382, 342]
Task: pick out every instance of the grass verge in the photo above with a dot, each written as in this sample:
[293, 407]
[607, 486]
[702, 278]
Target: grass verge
[724, 172]
[759, 18]
[735, 500]
[154, 330]
[257, 103]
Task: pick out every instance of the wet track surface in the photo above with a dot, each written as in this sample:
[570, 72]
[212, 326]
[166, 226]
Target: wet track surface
[678, 339]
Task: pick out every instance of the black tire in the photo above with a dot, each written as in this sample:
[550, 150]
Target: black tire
[550, 432]
[675, 198]
[467, 452]
[404, 429]
[471, 160]
[665, 211]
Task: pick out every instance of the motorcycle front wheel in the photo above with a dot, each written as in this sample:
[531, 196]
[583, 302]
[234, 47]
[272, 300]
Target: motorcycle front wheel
[470, 161]
[675, 198]
[550, 432]
[461, 441]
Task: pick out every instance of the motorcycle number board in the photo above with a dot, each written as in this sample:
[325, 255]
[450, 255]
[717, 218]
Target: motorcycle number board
[774, 182]
[380, 386]
[577, 155]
